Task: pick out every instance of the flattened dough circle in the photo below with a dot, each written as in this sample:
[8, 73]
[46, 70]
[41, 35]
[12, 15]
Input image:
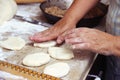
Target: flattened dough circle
[60, 53]
[45, 44]
[59, 69]
[13, 43]
[36, 59]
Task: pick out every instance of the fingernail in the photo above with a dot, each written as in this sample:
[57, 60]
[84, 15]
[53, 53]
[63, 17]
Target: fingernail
[59, 41]
[73, 47]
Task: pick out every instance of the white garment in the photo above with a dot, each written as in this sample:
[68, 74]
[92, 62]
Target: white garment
[113, 18]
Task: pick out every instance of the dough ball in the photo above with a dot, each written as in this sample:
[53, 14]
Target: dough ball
[61, 53]
[7, 10]
[36, 59]
[45, 44]
[13, 43]
[59, 69]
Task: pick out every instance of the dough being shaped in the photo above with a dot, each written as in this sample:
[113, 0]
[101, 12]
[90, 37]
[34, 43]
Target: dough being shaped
[59, 69]
[45, 44]
[36, 59]
[13, 43]
[60, 53]
[8, 9]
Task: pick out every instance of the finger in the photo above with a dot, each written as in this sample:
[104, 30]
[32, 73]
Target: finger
[76, 33]
[42, 33]
[61, 38]
[41, 36]
[72, 35]
[84, 29]
[71, 31]
[81, 46]
[45, 38]
[76, 40]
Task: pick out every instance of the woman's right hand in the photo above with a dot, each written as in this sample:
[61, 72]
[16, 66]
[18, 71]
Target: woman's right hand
[53, 32]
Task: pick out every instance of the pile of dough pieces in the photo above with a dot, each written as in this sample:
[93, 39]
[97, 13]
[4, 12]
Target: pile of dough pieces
[58, 69]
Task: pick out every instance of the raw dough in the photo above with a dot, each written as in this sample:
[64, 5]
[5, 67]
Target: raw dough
[60, 53]
[8, 9]
[45, 44]
[13, 43]
[59, 69]
[36, 59]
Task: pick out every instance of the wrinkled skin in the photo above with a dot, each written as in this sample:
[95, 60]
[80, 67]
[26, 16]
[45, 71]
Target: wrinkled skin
[89, 39]
[53, 32]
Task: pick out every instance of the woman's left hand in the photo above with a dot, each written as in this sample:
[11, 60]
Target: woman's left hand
[89, 39]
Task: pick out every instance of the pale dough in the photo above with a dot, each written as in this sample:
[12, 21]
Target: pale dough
[13, 43]
[36, 59]
[45, 44]
[59, 69]
[8, 9]
[60, 53]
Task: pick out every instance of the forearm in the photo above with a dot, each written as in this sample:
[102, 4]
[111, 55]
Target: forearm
[116, 46]
[78, 9]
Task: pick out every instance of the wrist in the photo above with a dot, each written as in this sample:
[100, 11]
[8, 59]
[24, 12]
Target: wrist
[67, 21]
[70, 19]
[116, 46]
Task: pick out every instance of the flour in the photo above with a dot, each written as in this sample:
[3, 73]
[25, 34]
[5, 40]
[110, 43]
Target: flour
[19, 28]
[4, 55]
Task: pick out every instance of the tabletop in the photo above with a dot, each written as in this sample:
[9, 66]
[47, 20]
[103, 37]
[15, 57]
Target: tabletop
[80, 65]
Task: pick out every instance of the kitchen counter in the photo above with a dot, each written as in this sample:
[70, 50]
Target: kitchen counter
[80, 65]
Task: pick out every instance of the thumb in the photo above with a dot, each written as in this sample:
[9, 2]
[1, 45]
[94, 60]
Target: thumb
[61, 38]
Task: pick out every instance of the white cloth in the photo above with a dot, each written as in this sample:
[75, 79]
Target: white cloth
[113, 18]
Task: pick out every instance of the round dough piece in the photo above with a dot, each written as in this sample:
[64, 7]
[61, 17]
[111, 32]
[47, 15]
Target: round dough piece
[36, 59]
[13, 43]
[8, 9]
[59, 69]
[61, 53]
[45, 44]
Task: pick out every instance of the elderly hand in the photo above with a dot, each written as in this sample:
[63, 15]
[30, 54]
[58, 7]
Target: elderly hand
[53, 32]
[89, 39]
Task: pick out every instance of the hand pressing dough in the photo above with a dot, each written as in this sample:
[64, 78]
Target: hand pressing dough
[60, 53]
[8, 9]
[13, 43]
[45, 44]
[36, 59]
[59, 69]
